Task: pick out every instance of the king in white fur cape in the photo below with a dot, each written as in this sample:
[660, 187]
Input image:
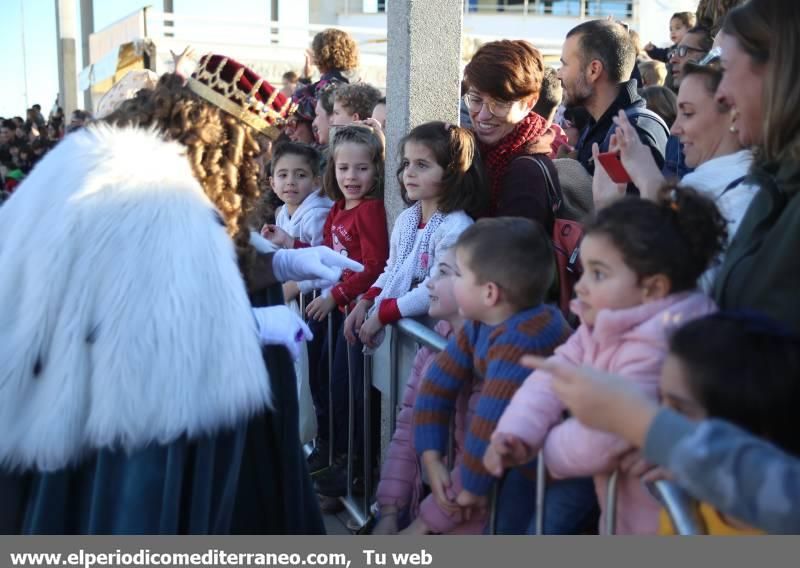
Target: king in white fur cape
[125, 325]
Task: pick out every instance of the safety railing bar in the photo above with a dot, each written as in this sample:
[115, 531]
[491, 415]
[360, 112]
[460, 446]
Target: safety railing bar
[354, 511]
[541, 486]
[393, 381]
[680, 507]
[366, 434]
[611, 503]
[331, 426]
[422, 333]
[351, 420]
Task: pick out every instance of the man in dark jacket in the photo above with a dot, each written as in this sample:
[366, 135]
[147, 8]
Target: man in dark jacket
[596, 62]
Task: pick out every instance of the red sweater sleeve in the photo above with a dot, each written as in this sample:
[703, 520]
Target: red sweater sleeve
[327, 235]
[389, 312]
[372, 293]
[373, 239]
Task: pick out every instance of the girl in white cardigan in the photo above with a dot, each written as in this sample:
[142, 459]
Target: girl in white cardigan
[442, 179]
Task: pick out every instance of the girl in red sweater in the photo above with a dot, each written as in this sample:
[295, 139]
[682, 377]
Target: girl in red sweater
[356, 228]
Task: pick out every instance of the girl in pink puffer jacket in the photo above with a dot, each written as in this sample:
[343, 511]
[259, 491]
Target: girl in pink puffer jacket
[400, 486]
[641, 263]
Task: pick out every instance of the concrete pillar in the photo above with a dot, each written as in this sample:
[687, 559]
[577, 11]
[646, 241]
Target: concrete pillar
[87, 29]
[423, 75]
[423, 83]
[66, 31]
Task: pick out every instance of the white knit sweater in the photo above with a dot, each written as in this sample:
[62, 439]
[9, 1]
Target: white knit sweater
[403, 265]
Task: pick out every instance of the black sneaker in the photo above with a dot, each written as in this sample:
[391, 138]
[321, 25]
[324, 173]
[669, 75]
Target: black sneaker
[333, 483]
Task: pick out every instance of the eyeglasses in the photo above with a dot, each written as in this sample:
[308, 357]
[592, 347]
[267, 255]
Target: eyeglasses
[475, 104]
[683, 50]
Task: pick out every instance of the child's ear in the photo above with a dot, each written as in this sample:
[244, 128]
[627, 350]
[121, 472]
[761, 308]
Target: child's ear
[656, 287]
[272, 183]
[491, 294]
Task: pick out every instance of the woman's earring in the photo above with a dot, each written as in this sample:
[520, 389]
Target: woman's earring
[734, 115]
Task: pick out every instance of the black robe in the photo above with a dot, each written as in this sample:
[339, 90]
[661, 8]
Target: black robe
[251, 479]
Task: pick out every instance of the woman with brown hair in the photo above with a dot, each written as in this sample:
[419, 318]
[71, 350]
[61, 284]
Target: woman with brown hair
[759, 46]
[135, 396]
[502, 83]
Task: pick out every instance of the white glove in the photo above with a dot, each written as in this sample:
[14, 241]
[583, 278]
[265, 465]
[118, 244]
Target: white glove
[321, 265]
[279, 325]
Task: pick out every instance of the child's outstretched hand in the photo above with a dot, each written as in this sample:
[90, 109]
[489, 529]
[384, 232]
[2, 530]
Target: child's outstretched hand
[320, 307]
[277, 236]
[439, 479]
[505, 451]
[369, 329]
[470, 503]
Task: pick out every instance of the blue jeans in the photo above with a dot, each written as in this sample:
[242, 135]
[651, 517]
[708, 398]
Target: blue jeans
[570, 505]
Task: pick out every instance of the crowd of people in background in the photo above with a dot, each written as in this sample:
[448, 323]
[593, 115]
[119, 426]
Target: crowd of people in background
[23, 142]
[678, 166]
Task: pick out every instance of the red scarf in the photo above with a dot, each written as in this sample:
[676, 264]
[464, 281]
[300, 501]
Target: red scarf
[518, 142]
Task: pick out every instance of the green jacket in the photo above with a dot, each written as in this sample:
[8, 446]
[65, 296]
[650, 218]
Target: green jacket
[761, 270]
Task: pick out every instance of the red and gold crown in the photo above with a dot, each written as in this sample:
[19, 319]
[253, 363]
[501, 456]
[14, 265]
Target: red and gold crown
[239, 91]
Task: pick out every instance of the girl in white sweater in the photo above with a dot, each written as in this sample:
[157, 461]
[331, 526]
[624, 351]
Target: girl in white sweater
[298, 222]
[442, 179]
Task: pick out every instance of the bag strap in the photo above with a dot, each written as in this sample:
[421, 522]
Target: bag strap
[552, 195]
[731, 185]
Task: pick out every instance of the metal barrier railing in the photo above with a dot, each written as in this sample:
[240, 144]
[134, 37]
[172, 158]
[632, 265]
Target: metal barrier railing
[679, 506]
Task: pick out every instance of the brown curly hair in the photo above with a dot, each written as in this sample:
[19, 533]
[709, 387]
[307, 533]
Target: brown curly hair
[334, 50]
[221, 150]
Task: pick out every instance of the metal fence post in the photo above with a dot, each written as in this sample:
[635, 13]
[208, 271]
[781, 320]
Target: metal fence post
[611, 503]
[331, 435]
[541, 482]
[680, 506]
[366, 434]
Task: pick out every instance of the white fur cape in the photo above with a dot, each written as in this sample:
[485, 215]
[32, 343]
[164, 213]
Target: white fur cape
[123, 316]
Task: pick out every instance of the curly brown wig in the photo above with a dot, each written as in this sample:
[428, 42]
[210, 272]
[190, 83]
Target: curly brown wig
[334, 50]
[221, 150]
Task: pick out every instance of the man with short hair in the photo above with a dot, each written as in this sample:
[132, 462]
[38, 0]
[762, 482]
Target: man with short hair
[693, 47]
[596, 62]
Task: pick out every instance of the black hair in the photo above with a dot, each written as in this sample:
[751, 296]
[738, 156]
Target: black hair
[513, 252]
[464, 183]
[608, 42]
[706, 39]
[549, 95]
[578, 116]
[744, 368]
[678, 236]
[310, 154]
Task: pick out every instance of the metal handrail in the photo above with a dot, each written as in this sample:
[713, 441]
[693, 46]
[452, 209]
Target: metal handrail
[681, 508]
[422, 334]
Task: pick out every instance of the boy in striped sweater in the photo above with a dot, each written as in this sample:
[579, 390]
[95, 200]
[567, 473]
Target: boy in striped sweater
[504, 267]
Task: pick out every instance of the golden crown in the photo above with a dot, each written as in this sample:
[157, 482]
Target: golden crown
[240, 92]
